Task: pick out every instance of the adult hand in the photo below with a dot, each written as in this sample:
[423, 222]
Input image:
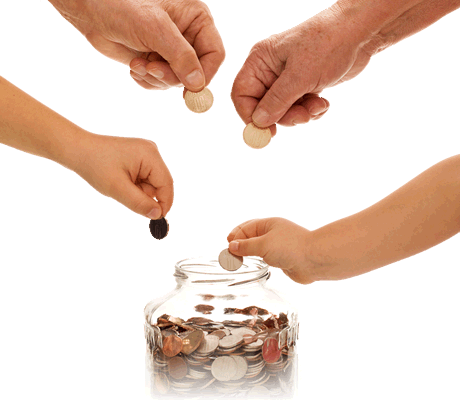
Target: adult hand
[129, 170]
[282, 78]
[165, 42]
[281, 244]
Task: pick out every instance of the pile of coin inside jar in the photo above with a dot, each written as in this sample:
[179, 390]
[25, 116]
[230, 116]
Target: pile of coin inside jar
[199, 357]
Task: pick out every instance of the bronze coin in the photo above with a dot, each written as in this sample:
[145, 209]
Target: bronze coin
[191, 342]
[199, 102]
[270, 350]
[204, 308]
[172, 345]
[159, 228]
[177, 367]
[256, 137]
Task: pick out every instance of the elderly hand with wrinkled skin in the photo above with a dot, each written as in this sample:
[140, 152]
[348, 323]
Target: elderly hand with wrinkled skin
[284, 75]
[166, 43]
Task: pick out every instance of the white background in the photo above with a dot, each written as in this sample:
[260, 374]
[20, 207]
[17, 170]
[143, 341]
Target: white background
[77, 268]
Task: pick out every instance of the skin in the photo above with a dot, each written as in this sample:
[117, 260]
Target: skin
[166, 43]
[417, 216]
[129, 170]
[284, 75]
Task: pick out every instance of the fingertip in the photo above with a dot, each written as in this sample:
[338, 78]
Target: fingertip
[195, 81]
[233, 247]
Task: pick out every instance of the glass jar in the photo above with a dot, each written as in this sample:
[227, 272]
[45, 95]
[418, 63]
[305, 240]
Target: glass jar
[220, 334]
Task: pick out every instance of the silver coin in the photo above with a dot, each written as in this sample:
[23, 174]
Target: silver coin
[224, 368]
[242, 367]
[230, 262]
[208, 345]
[230, 341]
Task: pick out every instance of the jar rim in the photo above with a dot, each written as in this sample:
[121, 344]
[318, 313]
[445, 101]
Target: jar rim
[250, 265]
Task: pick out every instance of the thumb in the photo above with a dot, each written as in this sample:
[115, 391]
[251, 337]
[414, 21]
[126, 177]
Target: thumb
[181, 56]
[128, 194]
[248, 247]
[284, 92]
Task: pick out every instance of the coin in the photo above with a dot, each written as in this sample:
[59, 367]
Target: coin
[229, 261]
[241, 367]
[177, 367]
[172, 345]
[208, 345]
[270, 350]
[230, 341]
[199, 102]
[204, 308]
[224, 368]
[256, 137]
[191, 342]
[159, 228]
[162, 383]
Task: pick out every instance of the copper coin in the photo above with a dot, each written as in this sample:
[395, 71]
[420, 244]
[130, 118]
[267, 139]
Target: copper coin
[191, 342]
[199, 102]
[270, 350]
[159, 228]
[256, 137]
[230, 262]
[204, 308]
[219, 333]
[177, 367]
[172, 345]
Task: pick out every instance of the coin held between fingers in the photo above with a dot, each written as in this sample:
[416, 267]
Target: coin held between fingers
[229, 261]
[159, 228]
[199, 102]
[256, 137]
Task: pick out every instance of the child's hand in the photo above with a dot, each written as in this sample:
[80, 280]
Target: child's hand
[129, 170]
[279, 242]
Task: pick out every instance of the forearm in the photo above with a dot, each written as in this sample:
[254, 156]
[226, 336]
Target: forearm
[28, 125]
[382, 23]
[419, 215]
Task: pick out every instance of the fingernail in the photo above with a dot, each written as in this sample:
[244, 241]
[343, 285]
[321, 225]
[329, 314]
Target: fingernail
[260, 117]
[195, 78]
[233, 246]
[316, 109]
[136, 77]
[154, 214]
[140, 69]
[157, 73]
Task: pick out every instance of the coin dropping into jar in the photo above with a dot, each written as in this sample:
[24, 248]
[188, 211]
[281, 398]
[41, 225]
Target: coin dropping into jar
[159, 228]
[229, 261]
[199, 102]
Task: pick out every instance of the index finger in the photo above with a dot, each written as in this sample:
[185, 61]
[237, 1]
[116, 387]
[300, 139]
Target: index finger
[249, 88]
[249, 229]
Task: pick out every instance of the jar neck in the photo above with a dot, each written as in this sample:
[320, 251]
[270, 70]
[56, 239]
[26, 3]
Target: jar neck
[201, 272]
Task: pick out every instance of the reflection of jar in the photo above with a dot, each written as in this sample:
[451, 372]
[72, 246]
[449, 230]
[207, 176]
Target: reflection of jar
[221, 334]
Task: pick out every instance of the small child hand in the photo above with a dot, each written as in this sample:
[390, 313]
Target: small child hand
[129, 170]
[280, 243]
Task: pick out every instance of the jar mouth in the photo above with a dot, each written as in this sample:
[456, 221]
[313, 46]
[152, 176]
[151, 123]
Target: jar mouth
[203, 270]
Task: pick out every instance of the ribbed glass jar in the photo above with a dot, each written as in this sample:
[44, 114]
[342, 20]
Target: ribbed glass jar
[221, 334]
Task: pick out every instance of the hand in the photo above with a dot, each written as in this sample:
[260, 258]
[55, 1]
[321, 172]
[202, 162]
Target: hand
[282, 78]
[129, 170]
[165, 42]
[279, 242]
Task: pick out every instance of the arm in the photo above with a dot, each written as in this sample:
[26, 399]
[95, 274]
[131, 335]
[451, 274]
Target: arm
[419, 215]
[112, 165]
[334, 46]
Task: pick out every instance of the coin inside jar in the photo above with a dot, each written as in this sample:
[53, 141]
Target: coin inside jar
[229, 261]
[159, 228]
[270, 350]
[224, 368]
[191, 342]
[172, 345]
[177, 367]
[256, 137]
[199, 102]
